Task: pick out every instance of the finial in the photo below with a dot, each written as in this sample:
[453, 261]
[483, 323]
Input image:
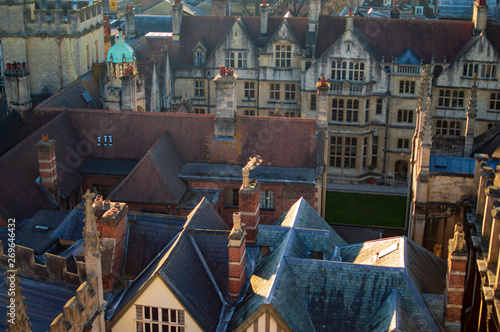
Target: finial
[90, 234]
[16, 311]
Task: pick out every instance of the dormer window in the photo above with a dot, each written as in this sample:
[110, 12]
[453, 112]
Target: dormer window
[419, 10]
[110, 140]
[348, 47]
[199, 57]
[105, 140]
[98, 140]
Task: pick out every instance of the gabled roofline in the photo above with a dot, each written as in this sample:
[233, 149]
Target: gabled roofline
[272, 38]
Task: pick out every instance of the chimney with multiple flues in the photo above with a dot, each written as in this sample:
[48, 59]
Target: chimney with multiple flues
[225, 107]
[249, 203]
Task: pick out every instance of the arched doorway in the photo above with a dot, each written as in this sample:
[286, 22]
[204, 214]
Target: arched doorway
[401, 170]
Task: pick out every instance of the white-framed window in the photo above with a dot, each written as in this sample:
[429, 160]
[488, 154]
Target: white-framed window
[495, 101]
[199, 58]
[229, 59]
[407, 87]
[274, 92]
[232, 197]
[242, 60]
[403, 143]
[451, 98]
[199, 88]
[249, 90]
[419, 10]
[283, 55]
[155, 319]
[348, 70]
[405, 116]
[290, 91]
[267, 199]
[448, 128]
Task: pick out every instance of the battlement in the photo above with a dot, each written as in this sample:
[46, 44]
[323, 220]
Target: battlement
[55, 267]
[53, 20]
[80, 309]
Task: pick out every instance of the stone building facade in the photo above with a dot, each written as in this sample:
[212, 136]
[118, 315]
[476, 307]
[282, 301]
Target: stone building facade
[373, 69]
[59, 42]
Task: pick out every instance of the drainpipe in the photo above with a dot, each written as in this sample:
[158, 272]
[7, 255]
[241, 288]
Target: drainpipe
[387, 93]
[59, 61]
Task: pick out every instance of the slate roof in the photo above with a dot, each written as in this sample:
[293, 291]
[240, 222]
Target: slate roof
[462, 9]
[10, 124]
[153, 23]
[181, 264]
[384, 37]
[264, 174]
[347, 295]
[44, 301]
[72, 96]
[98, 166]
[154, 179]
[28, 235]
[194, 196]
[19, 170]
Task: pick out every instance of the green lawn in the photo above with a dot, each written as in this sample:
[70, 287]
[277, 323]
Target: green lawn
[364, 209]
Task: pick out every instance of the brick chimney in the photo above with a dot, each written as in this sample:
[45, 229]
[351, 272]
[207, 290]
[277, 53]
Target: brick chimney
[236, 253]
[47, 164]
[249, 203]
[225, 107]
[479, 16]
[17, 87]
[177, 9]
[457, 265]
[107, 34]
[111, 218]
[264, 14]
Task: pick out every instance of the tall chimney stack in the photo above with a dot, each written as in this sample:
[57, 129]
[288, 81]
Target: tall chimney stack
[249, 204]
[177, 9]
[225, 108]
[47, 164]
[264, 14]
[236, 254]
[479, 16]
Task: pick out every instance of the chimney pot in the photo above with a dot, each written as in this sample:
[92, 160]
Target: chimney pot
[97, 202]
[45, 138]
[24, 65]
[99, 197]
[222, 70]
[18, 65]
[246, 173]
[8, 65]
[236, 221]
[323, 80]
[264, 2]
[395, 5]
[350, 11]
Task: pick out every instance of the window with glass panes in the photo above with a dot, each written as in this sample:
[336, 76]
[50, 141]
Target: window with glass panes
[290, 91]
[352, 70]
[232, 197]
[495, 101]
[283, 55]
[379, 106]
[313, 102]
[154, 319]
[338, 110]
[350, 152]
[351, 114]
[249, 89]
[249, 112]
[351, 110]
[374, 150]
[407, 87]
[448, 128]
[274, 92]
[482, 70]
[267, 199]
[403, 143]
[449, 98]
[365, 149]
[335, 151]
[199, 58]
[229, 59]
[242, 60]
[405, 116]
[199, 88]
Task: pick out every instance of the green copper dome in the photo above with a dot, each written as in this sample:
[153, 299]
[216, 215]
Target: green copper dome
[119, 51]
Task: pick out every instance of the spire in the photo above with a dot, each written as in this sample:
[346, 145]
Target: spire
[91, 243]
[18, 321]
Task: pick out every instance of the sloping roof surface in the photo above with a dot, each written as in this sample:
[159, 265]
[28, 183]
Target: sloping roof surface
[108, 166]
[19, 170]
[153, 23]
[44, 301]
[154, 179]
[10, 124]
[449, 164]
[462, 9]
